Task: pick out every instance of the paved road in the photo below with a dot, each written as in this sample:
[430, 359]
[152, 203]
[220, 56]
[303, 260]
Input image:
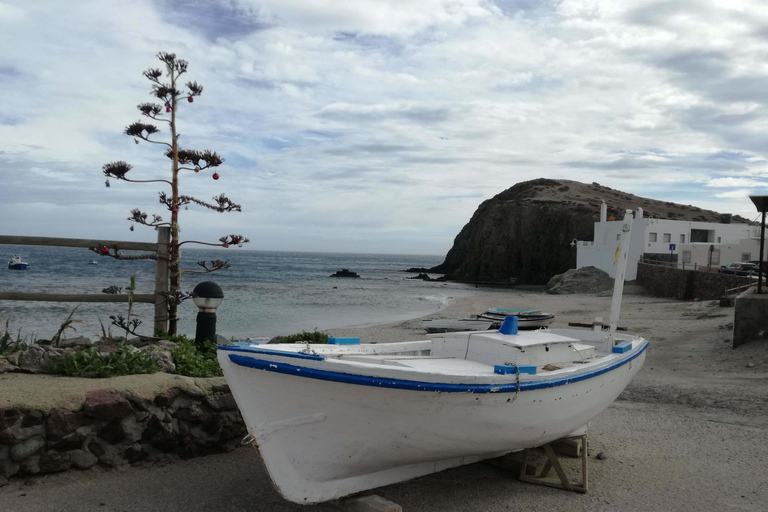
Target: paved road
[660, 457]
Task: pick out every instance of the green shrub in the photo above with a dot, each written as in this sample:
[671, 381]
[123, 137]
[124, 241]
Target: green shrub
[312, 337]
[193, 361]
[89, 363]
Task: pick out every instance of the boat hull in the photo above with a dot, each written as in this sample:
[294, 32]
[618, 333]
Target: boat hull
[17, 266]
[324, 439]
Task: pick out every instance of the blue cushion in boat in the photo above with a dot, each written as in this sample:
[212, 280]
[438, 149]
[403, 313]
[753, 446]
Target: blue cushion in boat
[622, 347]
[343, 341]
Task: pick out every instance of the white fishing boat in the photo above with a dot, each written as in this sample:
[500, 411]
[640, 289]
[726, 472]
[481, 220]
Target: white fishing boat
[332, 420]
[16, 263]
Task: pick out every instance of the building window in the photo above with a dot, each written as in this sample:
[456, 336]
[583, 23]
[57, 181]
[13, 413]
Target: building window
[618, 237]
[667, 238]
[746, 256]
[686, 256]
[682, 239]
[651, 237]
[718, 239]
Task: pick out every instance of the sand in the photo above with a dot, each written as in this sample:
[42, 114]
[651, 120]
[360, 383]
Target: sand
[689, 433]
[690, 360]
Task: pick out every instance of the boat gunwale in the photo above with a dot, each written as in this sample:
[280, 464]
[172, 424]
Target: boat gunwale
[411, 385]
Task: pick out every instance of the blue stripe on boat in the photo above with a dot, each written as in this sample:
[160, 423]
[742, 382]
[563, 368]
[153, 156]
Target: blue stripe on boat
[281, 353]
[382, 382]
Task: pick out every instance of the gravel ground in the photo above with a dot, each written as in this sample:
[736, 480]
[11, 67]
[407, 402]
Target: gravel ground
[689, 434]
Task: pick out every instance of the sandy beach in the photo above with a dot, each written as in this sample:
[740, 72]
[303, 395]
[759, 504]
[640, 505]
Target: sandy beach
[689, 433]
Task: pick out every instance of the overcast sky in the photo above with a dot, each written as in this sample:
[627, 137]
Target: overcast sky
[378, 125]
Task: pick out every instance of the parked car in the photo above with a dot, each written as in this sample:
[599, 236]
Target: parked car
[764, 265]
[740, 269]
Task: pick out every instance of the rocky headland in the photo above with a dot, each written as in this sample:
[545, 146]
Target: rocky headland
[523, 234]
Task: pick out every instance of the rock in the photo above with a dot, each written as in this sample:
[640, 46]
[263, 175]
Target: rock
[33, 360]
[3, 481]
[106, 405]
[193, 413]
[525, 232]
[80, 341]
[135, 453]
[137, 403]
[16, 433]
[6, 366]
[164, 360]
[112, 433]
[220, 402]
[26, 448]
[601, 456]
[96, 449]
[53, 462]
[4, 452]
[583, 280]
[165, 399]
[162, 435]
[133, 428]
[8, 468]
[30, 466]
[32, 418]
[422, 276]
[223, 388]
[82, 459]
[167, 345]
[9, 417]
[62, 422]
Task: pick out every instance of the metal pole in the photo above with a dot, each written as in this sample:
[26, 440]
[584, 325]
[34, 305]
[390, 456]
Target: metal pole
[206, 328]
[762, 243]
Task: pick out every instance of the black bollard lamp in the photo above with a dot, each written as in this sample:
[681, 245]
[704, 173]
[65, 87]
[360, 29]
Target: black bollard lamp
[207, 297]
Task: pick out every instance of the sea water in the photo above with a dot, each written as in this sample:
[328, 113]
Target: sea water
[265, 293]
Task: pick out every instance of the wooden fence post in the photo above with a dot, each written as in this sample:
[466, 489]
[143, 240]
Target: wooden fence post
[162, 264]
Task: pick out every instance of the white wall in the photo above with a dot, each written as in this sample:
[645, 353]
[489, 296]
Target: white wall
[601, 252]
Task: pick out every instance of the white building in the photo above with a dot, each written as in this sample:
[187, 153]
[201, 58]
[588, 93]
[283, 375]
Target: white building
[657, 236]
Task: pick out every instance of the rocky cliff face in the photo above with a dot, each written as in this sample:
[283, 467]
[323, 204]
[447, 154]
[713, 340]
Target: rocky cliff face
[524, 233]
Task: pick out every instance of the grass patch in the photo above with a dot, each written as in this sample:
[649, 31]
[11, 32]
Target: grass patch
[194, 361]
[311, 337]
[90, 363]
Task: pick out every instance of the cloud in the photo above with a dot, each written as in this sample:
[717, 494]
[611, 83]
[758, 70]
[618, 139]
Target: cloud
[366, 121]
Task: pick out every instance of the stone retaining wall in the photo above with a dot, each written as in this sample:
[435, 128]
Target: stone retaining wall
[687, 284]
[113, 429]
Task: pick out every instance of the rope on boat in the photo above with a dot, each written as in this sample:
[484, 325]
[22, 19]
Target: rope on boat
[307, 350]
[248, 439]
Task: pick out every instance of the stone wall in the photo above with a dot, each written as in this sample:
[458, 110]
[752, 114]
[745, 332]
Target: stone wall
[113, 429]
[686, 284]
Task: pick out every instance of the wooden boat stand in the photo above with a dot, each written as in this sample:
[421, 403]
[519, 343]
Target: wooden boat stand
[562, 482]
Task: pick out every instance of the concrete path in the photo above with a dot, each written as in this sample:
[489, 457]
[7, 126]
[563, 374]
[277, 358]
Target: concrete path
[660, 457]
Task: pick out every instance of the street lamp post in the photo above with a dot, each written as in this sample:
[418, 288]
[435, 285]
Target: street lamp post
[207, 297]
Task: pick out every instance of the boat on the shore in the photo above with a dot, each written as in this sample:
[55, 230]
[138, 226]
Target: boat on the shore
[528, 318]
[491, 319]
[334, 419]
[16, 263]
[345, 272]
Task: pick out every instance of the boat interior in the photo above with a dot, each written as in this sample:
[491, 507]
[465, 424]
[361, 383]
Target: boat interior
[473, 354]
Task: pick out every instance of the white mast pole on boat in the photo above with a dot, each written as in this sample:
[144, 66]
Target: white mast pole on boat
[621, 271]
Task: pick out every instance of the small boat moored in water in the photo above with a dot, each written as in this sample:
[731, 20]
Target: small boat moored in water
[336, 419]
[16, 263]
